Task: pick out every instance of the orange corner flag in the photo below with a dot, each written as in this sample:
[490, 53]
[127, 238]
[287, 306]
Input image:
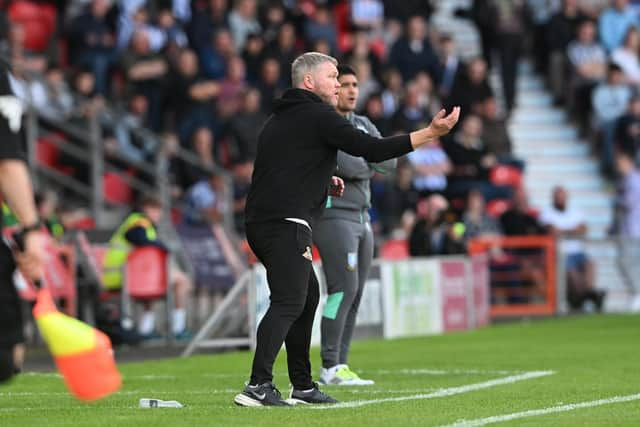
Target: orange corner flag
[83, 354]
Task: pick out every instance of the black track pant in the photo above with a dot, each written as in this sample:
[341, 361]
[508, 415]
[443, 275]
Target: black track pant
[10, 314]
[280, 246]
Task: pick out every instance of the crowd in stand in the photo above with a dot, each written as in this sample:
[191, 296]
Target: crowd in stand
[203, 73]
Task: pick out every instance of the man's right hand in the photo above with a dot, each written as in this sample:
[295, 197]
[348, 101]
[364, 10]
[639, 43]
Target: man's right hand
[31, 260]
[440, 126]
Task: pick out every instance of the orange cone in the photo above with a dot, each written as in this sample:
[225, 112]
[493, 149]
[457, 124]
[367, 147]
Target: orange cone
[83, 354]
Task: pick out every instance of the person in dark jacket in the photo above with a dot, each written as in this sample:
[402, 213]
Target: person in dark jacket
[17, 190]
[296, 158]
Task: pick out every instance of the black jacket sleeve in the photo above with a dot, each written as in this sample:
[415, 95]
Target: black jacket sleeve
[137, 236]
[341, 134]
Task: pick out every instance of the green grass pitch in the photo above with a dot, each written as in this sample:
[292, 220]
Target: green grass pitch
[429, 381]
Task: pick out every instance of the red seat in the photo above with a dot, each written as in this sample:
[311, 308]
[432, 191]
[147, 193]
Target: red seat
[116, 189]
[47, 153]
[146, 273]
[59, 274]
[395, 250]
[506, 175]
[497, 207]
[38, 21]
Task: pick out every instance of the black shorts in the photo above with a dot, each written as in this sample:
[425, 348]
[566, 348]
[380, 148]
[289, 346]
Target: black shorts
[11, 331]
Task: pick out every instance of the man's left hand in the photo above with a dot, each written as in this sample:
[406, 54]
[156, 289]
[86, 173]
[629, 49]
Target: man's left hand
[337, 187]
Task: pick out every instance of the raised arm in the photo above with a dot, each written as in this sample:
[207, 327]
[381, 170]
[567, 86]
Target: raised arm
[340, 134]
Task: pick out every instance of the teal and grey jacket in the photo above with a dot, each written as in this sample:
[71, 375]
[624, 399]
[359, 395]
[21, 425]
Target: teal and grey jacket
[356, 173]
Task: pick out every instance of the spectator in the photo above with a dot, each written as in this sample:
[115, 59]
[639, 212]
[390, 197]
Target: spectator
[273, 18]
[206, 200]
[519, 219]
[47, 205]
[284, 49]
[406, 9]
[610, 100]
[451, 66]
[367, 15]
[231, 88]
[173, 32]
[244, 127]
[614, 23]
[92, 38]
[477, 223]
[427, 98]
[253, 56]
[561, 30]
[206, 22]
[145, 72]
[495, 135]
[361, 51]
[374, 110]
[270, 84]
[393, 92]
[568, 225]
[393, 199]
[626, 56]
[469, 91]
[243, 21]
[627, 203]
[202, 146]
[413, 52]
[192, 97]
[510, 21]
[242, 171]
[214, 58]
[131, 22]
[60, 102]
[367, 83]
[134, 147]
[431, 167]
[139, 230]
[432, 235]
[541, 13]
[471, 162]
[410, 115]
[321, 27]
[627, 134]
[588, 62]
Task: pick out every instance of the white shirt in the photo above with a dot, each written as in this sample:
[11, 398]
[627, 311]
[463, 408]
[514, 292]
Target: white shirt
[568, 219]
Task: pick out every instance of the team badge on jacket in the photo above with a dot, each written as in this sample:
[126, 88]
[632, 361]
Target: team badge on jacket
[352, 261]
[307, 253]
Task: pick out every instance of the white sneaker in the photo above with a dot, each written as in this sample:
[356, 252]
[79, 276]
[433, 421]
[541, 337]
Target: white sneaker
[341, 375]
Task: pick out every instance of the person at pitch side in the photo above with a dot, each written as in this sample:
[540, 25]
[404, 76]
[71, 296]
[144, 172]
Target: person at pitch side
[295, 161]
[17, 191]
[344, 238]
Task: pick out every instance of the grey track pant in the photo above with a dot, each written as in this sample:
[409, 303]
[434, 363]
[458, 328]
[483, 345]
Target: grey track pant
[346, 249]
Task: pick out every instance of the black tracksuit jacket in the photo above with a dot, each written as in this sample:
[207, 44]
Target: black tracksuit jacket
[297, 151]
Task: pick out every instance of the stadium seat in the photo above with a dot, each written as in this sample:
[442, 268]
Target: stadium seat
[38, 21]
[146, 273]
[497, 207]
[506, 175]
[117, 189]
[395, 250]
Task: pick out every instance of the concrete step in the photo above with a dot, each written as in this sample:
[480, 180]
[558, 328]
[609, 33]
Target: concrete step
[538, 117]
[546, 184]
[559, 168]
[533, 99]
[587, 206]
[551, 149]
[537, 133]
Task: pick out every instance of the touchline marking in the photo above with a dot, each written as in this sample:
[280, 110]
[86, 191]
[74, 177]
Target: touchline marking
[444, 372]
[544, 411]
[442, 392]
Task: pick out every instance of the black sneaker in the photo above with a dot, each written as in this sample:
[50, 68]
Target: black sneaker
[312, 396]
[260, 395]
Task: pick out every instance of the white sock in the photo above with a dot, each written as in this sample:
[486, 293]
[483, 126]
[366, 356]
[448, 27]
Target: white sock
[179, 320]
[147, 323]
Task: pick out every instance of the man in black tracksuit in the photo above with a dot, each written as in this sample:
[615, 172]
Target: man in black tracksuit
[15, 186]
[296, 158]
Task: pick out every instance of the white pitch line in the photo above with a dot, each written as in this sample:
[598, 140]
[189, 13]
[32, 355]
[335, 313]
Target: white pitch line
[544, 411]
[443, 372]
[442, 392]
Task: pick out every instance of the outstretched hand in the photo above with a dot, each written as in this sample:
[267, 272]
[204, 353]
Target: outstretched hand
[441, 124]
